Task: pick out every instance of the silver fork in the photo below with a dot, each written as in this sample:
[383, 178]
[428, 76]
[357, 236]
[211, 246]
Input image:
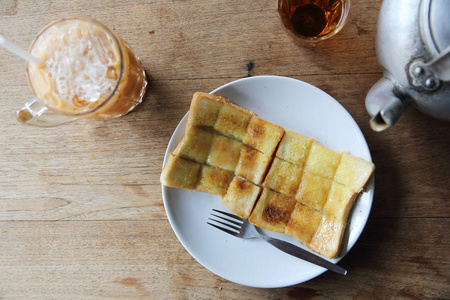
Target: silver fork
[242, 228]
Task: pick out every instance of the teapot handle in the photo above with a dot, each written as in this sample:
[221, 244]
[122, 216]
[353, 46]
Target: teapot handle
[35, 114]
[441, 65]
[428, 75]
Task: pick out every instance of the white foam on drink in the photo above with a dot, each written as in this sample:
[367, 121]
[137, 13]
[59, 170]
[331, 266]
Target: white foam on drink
[81, 65]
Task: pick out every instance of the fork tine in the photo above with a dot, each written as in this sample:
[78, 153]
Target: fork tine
[238, 228]
[228, 214]
[228, 220]
[233, 233]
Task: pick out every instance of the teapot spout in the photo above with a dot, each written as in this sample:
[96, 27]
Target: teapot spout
[385, 104]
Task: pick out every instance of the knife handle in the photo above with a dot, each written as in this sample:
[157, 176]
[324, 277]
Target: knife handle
[303, 254]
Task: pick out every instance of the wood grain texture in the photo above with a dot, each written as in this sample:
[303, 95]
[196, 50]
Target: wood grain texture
[144, 259]
[81, 212]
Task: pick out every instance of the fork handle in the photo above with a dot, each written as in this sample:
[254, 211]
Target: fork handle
[303, 254]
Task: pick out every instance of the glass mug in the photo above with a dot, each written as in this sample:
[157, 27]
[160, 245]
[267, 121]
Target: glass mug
[87, 71]
[310, 21]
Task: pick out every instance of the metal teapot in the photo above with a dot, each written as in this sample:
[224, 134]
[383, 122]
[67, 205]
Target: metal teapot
[413, 50]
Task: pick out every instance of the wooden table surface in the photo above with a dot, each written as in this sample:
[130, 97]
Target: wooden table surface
[81, 211]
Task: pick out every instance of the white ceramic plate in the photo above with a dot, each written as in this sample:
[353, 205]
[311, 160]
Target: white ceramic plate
[294, 105]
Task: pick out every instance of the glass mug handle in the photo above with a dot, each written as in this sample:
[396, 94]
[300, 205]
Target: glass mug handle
[35, 114]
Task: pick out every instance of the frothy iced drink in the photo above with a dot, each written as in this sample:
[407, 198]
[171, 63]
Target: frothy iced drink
[87, 70]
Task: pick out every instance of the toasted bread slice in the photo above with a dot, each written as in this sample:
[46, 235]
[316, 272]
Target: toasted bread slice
[241, 197]
[252, 165]
[204, 109]
[233, 120]
[308, 189]
[294, 147]
[272, 211]
[322, 160]
[263, 135]
[224, 152]
[328, 238]
[284, 177]
[195, 145]
[354, 172]
[339, 202]
[313, 191]
[213, 180]
[303, 223]
[180, 173]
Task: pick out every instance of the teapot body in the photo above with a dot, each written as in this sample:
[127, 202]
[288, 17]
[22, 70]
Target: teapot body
[415, 61]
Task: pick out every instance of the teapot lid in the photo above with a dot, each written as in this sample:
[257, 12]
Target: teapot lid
[436, 24]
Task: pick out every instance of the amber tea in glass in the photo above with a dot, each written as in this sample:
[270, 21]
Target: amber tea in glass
[313, 20]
